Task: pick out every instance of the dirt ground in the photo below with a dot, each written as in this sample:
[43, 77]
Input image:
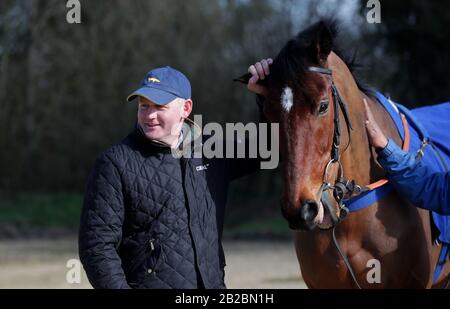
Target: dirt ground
[42, 264]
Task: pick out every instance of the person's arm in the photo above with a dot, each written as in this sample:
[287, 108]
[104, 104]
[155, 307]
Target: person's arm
[101, 227]
[416, 182]
[245, 166]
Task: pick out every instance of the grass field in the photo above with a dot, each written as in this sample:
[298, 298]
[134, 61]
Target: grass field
[27, 215]
[60, 210]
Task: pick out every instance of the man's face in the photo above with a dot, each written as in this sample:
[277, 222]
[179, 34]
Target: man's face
[163, 122]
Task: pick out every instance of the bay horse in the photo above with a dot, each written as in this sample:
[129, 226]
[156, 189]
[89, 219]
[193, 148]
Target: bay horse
[322, 138]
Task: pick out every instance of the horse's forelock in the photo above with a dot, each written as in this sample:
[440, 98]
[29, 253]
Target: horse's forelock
[291, 64]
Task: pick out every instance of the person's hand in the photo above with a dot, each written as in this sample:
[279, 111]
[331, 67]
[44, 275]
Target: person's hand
[259, 71]
[376, 137]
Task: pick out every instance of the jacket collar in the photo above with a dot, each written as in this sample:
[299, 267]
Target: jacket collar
[190, 134]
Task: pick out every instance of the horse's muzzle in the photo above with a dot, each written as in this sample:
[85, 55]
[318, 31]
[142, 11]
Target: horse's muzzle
[303, 219]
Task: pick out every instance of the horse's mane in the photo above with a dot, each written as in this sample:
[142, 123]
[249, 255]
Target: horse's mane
[290, 65]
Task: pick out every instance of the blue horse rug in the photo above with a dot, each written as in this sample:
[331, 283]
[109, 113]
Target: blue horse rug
[428, 123]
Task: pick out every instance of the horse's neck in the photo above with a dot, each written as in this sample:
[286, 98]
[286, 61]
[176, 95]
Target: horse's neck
[356, 159]
[367, 170]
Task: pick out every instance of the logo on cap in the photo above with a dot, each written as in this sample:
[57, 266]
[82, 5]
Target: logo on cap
[153, 80]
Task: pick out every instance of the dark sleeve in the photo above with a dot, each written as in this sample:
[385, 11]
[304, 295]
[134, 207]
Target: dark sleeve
[101, 227]
[267, 153]
[416, 182]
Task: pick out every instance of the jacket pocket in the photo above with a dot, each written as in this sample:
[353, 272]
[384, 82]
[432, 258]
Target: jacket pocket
[149, 258]
[155, 256]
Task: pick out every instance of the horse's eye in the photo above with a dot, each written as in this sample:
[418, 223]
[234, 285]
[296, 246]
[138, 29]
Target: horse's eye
[323, 107]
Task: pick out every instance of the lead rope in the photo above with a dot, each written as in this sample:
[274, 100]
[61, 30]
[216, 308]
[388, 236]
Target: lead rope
[339, 103]
[344, 257]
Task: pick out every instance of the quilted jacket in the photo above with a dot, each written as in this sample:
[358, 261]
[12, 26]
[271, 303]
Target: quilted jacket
[151, 220]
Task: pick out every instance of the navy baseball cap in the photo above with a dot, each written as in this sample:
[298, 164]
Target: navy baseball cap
[163, 85]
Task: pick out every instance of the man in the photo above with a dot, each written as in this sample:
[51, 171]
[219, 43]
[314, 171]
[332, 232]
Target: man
[151, 219]
[421, 186]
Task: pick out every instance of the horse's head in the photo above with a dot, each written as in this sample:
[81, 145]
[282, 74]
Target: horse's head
[301, 98]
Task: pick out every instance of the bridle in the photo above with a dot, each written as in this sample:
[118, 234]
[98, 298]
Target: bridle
[341, 187]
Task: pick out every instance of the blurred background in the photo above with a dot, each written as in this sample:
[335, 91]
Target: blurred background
[63, 88]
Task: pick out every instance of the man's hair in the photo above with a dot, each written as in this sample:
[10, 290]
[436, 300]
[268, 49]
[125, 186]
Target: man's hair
[179, 101]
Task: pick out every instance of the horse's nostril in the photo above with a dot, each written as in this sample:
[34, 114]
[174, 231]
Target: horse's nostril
[309, 210]
[301, 218]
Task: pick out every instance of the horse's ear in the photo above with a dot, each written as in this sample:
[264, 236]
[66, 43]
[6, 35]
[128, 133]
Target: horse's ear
[243, 78]
[321, 43]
